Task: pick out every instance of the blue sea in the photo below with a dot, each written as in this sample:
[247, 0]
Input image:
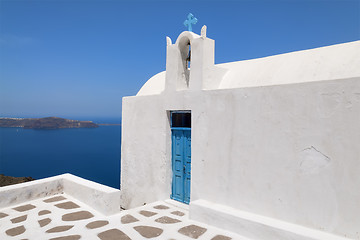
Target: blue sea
[90, 153]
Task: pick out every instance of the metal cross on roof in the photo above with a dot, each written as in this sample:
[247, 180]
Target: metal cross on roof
[190, 20]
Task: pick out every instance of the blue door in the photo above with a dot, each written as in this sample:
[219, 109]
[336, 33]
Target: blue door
[181, 160]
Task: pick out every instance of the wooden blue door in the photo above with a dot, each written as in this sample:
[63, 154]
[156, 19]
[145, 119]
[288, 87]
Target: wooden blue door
[181, 156]
[181, 164]
[187, 159]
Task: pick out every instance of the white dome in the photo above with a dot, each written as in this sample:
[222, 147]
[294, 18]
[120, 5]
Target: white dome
[155, 85]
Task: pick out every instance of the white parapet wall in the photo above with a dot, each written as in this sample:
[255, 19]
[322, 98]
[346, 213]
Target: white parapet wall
[23, 192]
[104, 199]
[100, 197]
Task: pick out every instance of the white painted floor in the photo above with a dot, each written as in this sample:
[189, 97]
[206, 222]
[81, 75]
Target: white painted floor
[40, 219]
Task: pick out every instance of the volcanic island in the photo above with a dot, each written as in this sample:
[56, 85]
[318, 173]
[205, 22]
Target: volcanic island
[45, 123]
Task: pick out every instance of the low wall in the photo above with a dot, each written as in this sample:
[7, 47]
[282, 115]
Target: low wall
[23, 192]
[102, 198]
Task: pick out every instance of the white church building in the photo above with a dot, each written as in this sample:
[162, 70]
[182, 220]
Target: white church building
[268, 148]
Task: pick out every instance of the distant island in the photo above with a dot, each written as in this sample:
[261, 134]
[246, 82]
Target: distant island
[45, 123]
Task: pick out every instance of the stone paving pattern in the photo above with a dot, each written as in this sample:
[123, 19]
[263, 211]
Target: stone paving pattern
[62, 217]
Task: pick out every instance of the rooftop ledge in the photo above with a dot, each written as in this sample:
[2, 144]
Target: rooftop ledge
[104, 199]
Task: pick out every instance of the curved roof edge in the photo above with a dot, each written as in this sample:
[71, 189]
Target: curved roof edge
[155, 85]
[324, 63]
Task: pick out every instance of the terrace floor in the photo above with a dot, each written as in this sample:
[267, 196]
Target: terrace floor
[62, 217]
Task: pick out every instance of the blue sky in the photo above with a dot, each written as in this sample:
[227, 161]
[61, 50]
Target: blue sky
[79, 58]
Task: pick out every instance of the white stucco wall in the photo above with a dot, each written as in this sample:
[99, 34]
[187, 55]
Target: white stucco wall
[285, 151]
[145, 172]
[289, 152]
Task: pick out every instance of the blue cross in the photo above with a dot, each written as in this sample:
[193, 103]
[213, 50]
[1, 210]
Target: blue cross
[190, 20]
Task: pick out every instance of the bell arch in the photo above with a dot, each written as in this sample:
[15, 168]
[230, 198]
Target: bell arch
[184, 46]
[189, 62]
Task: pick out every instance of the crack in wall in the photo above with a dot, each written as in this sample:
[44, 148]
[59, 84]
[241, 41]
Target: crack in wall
[312, 160]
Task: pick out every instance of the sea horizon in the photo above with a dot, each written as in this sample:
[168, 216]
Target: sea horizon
[95, 119]
[91, 153]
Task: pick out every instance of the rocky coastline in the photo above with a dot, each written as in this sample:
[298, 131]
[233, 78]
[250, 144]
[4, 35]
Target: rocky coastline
[8, 180]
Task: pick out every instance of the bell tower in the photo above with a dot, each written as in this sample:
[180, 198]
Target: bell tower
[189, 61]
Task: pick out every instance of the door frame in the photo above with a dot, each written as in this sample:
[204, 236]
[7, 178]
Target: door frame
[185, 200]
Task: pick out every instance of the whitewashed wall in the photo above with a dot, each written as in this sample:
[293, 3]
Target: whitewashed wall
[145, 170]
[289, 152]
